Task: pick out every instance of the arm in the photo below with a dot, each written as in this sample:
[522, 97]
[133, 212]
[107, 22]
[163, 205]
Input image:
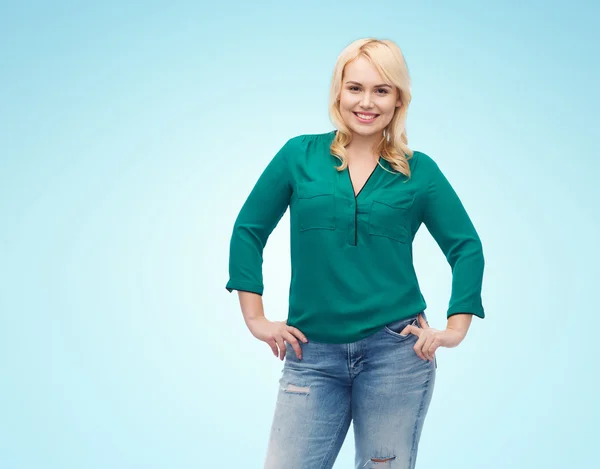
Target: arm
[257, 218]
[449, 224]
[274, 333]
[251, 305]
[460, 323]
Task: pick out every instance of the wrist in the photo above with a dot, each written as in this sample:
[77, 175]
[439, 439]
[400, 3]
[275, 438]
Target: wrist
[459, 323]
[457, 333]
[460, 330]
[255, 319]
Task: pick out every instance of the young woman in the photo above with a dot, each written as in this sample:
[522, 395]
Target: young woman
[357, 340]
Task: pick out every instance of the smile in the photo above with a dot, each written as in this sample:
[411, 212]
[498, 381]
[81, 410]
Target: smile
[365, 118]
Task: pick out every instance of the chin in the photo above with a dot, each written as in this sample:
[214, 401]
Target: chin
[365, 132]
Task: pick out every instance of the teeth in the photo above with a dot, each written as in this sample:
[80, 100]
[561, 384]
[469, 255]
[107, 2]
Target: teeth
[366, 117]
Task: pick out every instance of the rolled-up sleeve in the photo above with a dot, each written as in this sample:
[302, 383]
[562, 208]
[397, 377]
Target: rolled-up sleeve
[257, 218]
[448, 222]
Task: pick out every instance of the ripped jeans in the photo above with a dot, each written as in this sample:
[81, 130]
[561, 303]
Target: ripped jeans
[378, 383]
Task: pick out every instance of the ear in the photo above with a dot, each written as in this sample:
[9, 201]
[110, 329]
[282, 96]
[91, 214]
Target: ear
[399, 100]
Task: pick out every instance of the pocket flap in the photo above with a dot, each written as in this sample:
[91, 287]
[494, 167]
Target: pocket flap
[402, 200]
[307, 190]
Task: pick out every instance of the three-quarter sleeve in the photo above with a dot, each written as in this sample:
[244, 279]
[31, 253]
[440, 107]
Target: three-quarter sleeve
[448, 222]
[257, 218]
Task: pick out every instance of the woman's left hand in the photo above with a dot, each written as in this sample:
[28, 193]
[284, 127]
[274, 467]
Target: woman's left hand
[430, 339]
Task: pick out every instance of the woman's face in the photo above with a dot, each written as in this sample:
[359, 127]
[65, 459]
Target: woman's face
[367, 101]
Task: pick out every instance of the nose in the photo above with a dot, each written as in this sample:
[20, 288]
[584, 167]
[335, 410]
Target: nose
[366, 101]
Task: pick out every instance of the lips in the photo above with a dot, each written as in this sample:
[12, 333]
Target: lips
[368, 117]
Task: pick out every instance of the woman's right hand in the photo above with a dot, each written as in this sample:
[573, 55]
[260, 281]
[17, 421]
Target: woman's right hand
[275, 334]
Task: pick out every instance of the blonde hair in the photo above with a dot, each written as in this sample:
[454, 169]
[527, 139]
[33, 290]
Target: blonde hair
[387, 58]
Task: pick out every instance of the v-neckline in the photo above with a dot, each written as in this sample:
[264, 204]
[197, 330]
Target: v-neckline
[381, 161]
[356, 194]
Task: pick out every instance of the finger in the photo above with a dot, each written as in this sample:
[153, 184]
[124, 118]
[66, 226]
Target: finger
[433, 347]
[294, 343]
[424, 347]
[281, 345]
[297, 333]
[418, 347]
[411, 330]
[271, 343]
[423, 322]
[427, 347]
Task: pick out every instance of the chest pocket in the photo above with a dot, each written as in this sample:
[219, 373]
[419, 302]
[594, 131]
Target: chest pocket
[390, 217]
[315, 208]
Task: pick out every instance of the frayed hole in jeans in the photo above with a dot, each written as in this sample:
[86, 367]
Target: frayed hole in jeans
[292, 388]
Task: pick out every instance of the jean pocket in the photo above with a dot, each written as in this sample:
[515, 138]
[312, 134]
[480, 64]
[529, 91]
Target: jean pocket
[395, 328]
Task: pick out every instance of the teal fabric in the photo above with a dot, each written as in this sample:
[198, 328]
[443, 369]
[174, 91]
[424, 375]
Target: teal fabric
[351, 256]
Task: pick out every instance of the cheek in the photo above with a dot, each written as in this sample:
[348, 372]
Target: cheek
[344, 103]
[388, 115]
[389, 106]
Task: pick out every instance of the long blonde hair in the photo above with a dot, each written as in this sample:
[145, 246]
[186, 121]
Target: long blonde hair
[387, 58]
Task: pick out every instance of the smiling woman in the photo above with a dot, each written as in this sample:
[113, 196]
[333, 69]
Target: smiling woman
[356, 342]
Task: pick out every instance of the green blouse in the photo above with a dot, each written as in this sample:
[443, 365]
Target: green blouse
[351, 256]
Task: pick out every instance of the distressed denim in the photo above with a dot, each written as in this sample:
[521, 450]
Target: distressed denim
[378, 383]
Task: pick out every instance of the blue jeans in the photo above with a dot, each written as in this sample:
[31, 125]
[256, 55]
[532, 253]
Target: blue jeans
[379, 383]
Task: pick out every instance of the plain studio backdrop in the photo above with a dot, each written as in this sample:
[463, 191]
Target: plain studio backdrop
[131, 134]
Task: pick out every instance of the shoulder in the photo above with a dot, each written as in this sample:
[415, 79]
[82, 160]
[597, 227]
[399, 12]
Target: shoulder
[307, 140]
[425, 160]
[425, 165]
[307, 144]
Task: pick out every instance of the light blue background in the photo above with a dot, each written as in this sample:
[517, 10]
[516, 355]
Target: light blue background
[131, 134]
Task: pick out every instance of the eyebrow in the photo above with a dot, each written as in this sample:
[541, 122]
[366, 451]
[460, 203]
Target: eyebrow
[376, 86]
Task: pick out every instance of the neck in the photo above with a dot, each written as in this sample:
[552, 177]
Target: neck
[363, 148]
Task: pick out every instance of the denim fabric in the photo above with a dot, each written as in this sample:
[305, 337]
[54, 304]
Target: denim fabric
[378, 383]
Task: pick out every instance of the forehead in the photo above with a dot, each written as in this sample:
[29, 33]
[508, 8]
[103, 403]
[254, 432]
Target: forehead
[362, 71]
